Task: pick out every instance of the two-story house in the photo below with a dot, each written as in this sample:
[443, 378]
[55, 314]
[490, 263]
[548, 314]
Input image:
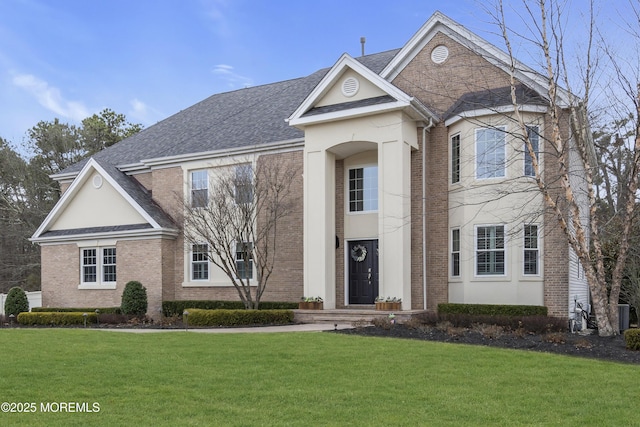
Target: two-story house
[414, 184]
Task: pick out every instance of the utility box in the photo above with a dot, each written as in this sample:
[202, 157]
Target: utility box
[623, 316]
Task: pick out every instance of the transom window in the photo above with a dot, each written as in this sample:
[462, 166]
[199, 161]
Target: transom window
[200, 262]
[98, 265]
[199, 189]
[531, 251]
[535, 144]
[490, 254]
[363, 189]
[490, 153]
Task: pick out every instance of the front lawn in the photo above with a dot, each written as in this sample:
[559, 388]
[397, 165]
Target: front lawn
[188, 378]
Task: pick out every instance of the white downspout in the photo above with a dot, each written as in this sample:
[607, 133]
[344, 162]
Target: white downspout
[424, 214]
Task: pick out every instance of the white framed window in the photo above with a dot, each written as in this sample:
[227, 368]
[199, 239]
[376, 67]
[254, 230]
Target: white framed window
[199, 188]
[200, 261]
[244, 260]
[455, 252]
[531, 256]
[490, 152]
[363, 189]
[98, 265]
[243, 184]
[455, 159]
[490, 250]
[534, 137]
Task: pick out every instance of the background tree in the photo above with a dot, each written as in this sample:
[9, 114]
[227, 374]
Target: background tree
[27, 193]
[568, 130]
[236, 224]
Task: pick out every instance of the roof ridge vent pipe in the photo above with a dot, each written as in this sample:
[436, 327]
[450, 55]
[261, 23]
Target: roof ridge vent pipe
[363, 40]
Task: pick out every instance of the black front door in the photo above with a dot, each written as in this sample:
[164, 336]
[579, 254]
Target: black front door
[363, 271]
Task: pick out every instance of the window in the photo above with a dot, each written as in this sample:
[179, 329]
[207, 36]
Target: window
[200, 262]
[455, 252]
[490, 255]
[98, 265]
[455, 159]
[534, 137]
[490, 153]
[363, 189]
[244, 184]
[244, 260]
[199, 189]
[531, 250]
[109, 265]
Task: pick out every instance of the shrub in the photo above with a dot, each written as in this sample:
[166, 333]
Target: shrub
[55, 318]
[522, 324]
[176, 308]
[16, 302]
[493, 309]
[200, 317]
[632, 339]
[134, 299]
[102, 310]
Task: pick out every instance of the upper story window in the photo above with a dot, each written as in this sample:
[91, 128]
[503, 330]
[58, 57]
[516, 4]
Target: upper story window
[363, 189]
[455, 159]
[244, 183]
[534, 137]
[199, 189]
[98, 265]
[490, 152]
[490, 250]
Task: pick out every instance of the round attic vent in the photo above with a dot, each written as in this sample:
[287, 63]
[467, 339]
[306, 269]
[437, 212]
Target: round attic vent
[97, 181]
[350, 86]
[439, 54]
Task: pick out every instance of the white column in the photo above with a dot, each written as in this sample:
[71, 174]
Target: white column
[319, 226]
[394, 220]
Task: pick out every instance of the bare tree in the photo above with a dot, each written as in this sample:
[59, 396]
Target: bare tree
[235, 224]
[568, 130]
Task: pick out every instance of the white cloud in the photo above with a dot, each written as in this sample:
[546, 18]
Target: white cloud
[141, 112]
[50, 97]
[234, 80]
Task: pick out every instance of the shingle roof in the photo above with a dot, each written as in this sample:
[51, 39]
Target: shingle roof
[494, 98]
[245, 117]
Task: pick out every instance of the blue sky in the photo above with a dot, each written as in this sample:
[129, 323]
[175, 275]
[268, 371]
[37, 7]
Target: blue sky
[150, 59]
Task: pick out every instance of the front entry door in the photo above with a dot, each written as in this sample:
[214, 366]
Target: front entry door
[363, 271]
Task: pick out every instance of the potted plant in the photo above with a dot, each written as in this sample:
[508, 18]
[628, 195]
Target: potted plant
[310, 303]
[388, 303]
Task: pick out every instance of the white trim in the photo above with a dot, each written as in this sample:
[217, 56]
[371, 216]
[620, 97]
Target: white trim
[96, 286]
[459, 252]
[347, 191]
[143, 234]
[505, 109]
[538, 250]
[75, 186]
[99, 283]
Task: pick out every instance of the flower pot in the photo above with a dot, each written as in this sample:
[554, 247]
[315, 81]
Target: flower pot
[388, 306]
[310, 305]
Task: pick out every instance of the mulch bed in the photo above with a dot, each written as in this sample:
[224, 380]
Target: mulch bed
[590, 346]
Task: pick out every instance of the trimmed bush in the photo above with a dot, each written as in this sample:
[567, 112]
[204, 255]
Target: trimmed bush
[200, 317]
[134, 299]
[55, 318]
[528, 324]
[176, 308]
[102, 310]
[493, 309]
[632, 339]
[16, 302]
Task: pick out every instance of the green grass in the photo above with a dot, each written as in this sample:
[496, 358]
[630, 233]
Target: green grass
[306, 379]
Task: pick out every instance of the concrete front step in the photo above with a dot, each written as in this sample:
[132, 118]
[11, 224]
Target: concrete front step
[349, 315]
